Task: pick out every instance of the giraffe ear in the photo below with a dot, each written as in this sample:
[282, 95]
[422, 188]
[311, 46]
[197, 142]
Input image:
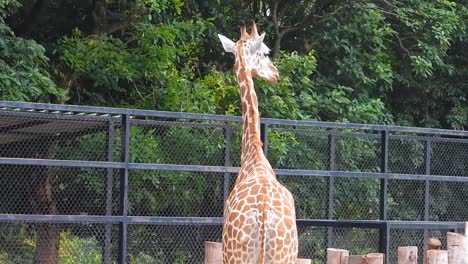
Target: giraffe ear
[228, 45]
[257, 43]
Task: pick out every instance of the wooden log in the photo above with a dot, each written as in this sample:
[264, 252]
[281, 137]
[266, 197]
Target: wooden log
[374, 258]
[213, 252]
[336, 256]
[354, 259]
[457, 248]
[303, 261]
[408, 255]
[437, 256]
[433, 243]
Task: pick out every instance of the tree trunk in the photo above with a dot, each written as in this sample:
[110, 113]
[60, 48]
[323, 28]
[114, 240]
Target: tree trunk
[408, 255]
[457, 248]
[44, 202]
[354, 259]
[374, 258]
[213, 253]
[336, 256]
[47, 245]
[48, 240]
[437, 256]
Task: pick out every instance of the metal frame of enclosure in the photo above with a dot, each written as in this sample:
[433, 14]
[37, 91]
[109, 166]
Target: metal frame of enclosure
[125, 118]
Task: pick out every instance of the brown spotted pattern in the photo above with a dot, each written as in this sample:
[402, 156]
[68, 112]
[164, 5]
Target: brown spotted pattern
[259, 217]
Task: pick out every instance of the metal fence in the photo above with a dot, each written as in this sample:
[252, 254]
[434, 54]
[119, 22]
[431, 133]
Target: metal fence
[107, 185]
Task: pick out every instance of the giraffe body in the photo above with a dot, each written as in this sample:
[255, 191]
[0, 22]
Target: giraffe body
[259, 224]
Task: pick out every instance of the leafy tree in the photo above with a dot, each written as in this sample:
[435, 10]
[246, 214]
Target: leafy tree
[24, 67]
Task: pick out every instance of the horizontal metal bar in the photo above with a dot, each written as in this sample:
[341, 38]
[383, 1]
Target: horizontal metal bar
[62, 163]
[56, 117]
[326, 132]
[141, 122]
[223, 169]
[424, 177]
[341, 223]
[270, 121]
[425, 225]
[110, 219]
[428, 138]
[60, 218]
[320, 173]
[190, 168]
[117, 111]
[417, 130]
[158, 220]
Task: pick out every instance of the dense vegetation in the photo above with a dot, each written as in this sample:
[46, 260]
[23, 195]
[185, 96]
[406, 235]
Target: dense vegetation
[374, 61]
[381, 62]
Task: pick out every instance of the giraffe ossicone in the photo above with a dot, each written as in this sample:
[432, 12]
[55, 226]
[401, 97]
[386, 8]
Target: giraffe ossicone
[259, 222]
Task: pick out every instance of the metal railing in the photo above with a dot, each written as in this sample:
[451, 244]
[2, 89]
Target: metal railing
[162, 177]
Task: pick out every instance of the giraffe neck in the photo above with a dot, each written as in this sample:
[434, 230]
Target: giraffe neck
[251, 148]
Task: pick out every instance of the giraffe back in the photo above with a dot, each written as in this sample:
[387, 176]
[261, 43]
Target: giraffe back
[260, 219]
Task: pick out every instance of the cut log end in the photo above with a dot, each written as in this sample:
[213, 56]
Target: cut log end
[408, 255]
[303, 261]
[354, 259]
[374, 258]
[437, 256]
[457, 248]
[433, 243]
[466, 229]
[336, 256]
[213, 252]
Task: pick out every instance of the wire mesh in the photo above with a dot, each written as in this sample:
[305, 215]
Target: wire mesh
[407, 155]
[356, 199]
[449, 158]
[52, 136]
[310, 195]
[406, 200]
[177, 143]
[22, 243]
[169, 243]
[176, 193]
[298, 148]
[314, 241]
[449, 201]
[169, 194]
[358, 152]
[26, 189]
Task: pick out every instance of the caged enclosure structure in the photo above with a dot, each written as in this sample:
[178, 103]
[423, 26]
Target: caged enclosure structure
[106, 185]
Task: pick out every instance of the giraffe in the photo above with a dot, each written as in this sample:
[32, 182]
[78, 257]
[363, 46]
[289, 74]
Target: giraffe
[259, 223]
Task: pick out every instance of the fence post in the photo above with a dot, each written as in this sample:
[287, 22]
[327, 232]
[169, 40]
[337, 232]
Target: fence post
[227, 160]
[427, 193]
[331, 187]
[109, 185]
[122, 258]
[264, 136]
[384, 230]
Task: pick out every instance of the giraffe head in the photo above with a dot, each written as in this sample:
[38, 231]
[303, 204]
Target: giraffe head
[251, 53]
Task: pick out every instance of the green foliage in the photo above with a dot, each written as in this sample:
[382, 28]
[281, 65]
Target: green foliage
[15, 239]
[436, 23]
[6, 6]
[74, 250]
[23, 66]
[376, 62]
[357, 37]
[153, 60]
